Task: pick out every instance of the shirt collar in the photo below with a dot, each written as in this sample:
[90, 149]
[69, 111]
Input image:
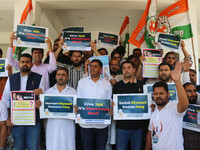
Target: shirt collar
[66, 88]
[135, 81]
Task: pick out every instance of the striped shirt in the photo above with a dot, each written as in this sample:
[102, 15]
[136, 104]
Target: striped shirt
[74, 75]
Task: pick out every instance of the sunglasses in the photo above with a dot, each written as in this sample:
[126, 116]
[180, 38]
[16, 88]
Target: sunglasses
[169, 57]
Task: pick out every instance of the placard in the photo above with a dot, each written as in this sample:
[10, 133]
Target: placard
[148, 89]
[23, 108]
[167, 41]
[153, 58]
[30, 36]
[105, 70]
[3, 70]
[131, 107]
[190, 118]
[74, 29]
[76, 41]
[93, 111]
[107, 40]
[57, 106]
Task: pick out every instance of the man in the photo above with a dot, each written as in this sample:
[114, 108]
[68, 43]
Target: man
[60, 133]
[76, 70]
[193, 76]
[137, 52]
[191, 138]
[103, 51]
[24, 136]
[37, 54]
[165, 126]
[4, 79]
[164, 72]
[97, 88]
[3, 127]
[114, 72]
[129, 130]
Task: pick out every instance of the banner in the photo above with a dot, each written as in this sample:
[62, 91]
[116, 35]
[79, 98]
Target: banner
[77, 41]
[148, 89]
[105, 61]
[30, 36]
[153, 58]
[190, 118]
[3, 70]
[167, 41]
[131, 106]
[57, 106]
[107, 40]
[23, 108]
[93, 111]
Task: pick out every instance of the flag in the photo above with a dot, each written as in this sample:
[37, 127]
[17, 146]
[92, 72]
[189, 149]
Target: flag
[175, 20]
[124, 32]
[138, 36]
[27, 15]
[150, 31]
[27, 18]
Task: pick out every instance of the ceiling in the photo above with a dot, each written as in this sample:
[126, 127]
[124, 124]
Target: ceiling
[85, 11]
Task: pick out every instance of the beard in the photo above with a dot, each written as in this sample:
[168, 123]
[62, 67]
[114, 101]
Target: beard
[164, 77]
[25, 69]
[76, 64]
[114, 72]
[160, 104]
[192, 99]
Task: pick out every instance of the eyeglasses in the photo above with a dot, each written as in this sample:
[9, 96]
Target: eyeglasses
[169, 57]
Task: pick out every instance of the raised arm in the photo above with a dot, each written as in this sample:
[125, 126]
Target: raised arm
[52, 60]
[9, 56]
[57, 52]
[182, 96]
[93, 47]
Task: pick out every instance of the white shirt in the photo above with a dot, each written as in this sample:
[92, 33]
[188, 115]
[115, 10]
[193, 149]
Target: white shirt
[3, 111]
[23, 81]
[60, 133]
[166, 128]
[100, 89]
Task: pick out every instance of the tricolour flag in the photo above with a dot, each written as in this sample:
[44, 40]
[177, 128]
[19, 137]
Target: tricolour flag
[137, 37]
[175, 20]
[151, 25]
[124, 32]
[27, 18]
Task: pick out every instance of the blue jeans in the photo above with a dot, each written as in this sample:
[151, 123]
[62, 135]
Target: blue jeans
[89, 136]
[123, 136]
[26, 137]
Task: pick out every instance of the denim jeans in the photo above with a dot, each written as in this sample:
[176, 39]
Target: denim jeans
[124, 136]
[90, 136]
[26, 137]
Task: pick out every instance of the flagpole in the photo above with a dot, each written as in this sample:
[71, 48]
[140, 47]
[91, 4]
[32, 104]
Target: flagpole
[195, 65]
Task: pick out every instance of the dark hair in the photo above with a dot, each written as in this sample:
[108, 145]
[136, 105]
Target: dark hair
[136, 49]
[193, 71]
[32, 50]
[188, 83]
[128, 62]
[113, 53]
[166, 55]
[103, 49]
[163, 64]
[132, 56]
[115, 60]
[62, 68]
[56, 40]
[71, 52]
[1, 51]
[121, 50]
[26, 55]
[161, 84]
[97, 61]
